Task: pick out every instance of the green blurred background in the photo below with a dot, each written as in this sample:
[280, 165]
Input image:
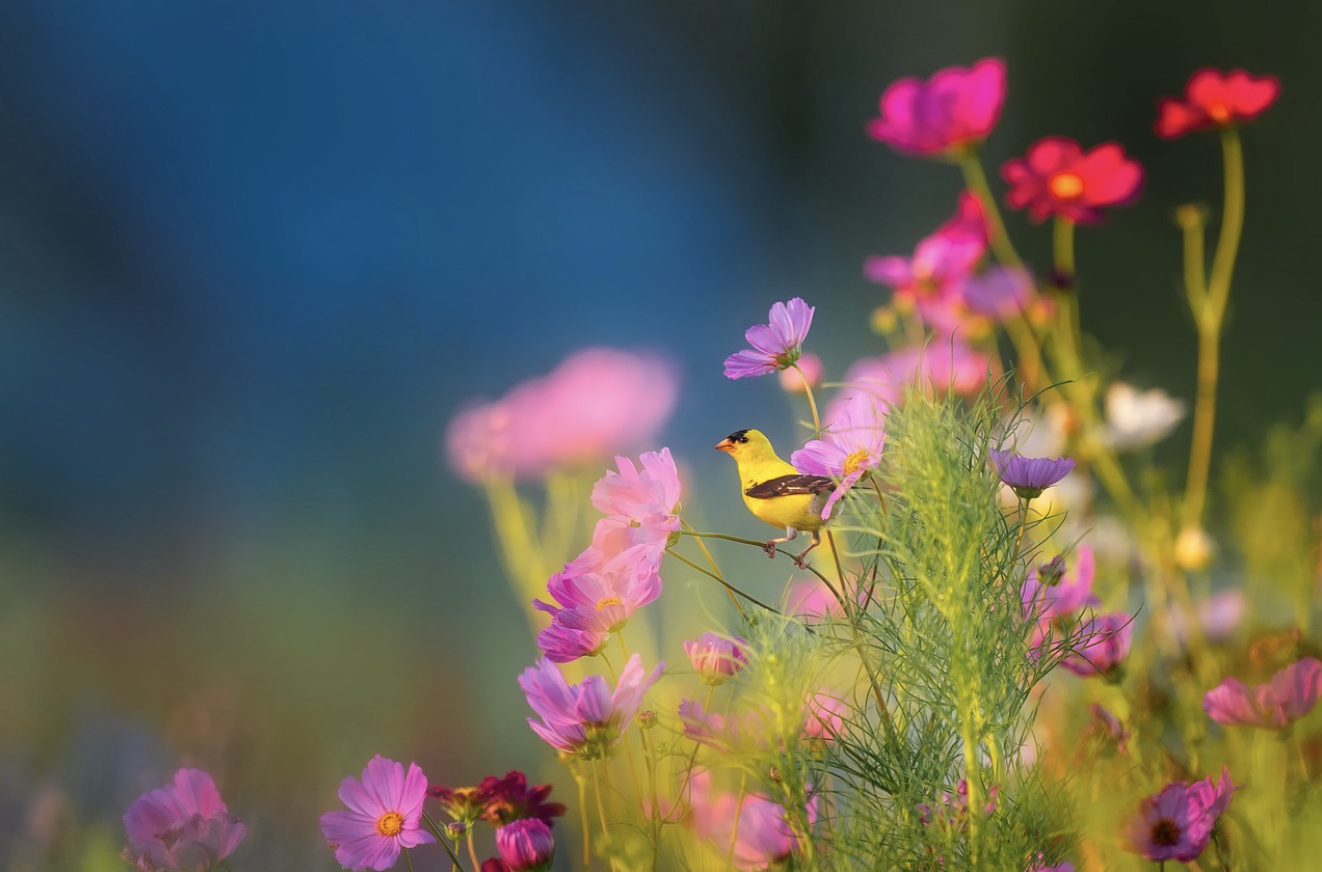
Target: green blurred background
[253, 256]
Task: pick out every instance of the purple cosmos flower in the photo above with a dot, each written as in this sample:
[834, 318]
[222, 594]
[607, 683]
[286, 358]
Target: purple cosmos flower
[1066, 866]
[526, 845]
[1176, 823]
[717, 658]
[759, 828]
[183, 826]
[385, 815]
[587, 718]
[1099, 645]
[1029, 476]
[1291, 694]
[592, 605]
[776, 345]
[854, 441]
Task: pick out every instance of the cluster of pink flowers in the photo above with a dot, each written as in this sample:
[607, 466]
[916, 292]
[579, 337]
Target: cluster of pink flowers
[619, 572]
[597, 402]
[1057, 602]
[1291, 694]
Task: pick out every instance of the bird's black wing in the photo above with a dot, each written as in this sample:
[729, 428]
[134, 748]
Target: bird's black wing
[788, 485]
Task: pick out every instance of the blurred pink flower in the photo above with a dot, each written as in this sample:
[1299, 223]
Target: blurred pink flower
[184, 825]
[588, 718]
[1107, 726]
[1099, 645]
[385, 815]
[526, 845]
[811, 598]
[716, 658]
[854, 439]
[776, 345]
[1176, 823]
[758, 827]
[955, 108]
[640, 494]
[1053, 593]
[823, 716]
[1213, 99]
[811, 366]
[1057, 177]
[598, 401]
[944, 366]
[747, 729]
[1291, 694]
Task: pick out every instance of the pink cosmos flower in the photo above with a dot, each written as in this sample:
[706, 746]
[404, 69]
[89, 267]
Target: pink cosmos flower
[941, 367]
[1108, 727]
[1291, 694]
[1053, 594]
[1176, 823]
[956, 108]
[1029, 476]
[776, 345]
[526, 845]
[1099, 645]
[811, 367]
[810, 598]
[1058, 177]
[183, 826]
[854, 439]
[759, 828]
[584, 719]
[385, 815]
[744, 730]
[598, 401]
[592, 605]
[716, 658]
[1214, 99]
[823, 717]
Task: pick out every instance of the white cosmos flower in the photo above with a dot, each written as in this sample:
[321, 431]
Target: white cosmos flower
[1136, 419]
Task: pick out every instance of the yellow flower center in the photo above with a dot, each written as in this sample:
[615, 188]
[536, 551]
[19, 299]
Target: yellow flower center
[390, 824]
[854, 461]
[1219, 112]
[1066, 186]
[608, 601]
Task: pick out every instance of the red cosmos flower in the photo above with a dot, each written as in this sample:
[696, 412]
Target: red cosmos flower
[1213, 99]
[1057, 177]
[957, 106]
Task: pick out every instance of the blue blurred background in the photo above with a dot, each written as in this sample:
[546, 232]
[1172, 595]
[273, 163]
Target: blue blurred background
[254, 255]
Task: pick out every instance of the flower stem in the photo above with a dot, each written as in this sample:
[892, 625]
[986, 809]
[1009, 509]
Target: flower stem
[472, 852]
[1209, 319]
[729, 587]
[975, 178]
[715, 570]
[408, 861]
[1062, 243]
[581, 778]
[738, 809]
[443, 839]
[812, 403]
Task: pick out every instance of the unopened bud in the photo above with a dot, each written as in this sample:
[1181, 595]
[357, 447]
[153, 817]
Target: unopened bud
[1051, 573]
[456, 829]
[646, 719]
[884, 320]
[774, 774]
[1191, 215]
[1194, 549]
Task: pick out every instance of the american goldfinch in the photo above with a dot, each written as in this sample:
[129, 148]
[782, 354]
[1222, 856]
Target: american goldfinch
[775, 491]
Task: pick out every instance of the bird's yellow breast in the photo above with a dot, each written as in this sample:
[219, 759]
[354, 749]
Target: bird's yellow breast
[795, 510]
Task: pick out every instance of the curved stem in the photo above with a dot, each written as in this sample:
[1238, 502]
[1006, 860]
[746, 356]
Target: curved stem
[975, 178]
[472, 852]
[812, 403]
[715, 570]
[729, 587]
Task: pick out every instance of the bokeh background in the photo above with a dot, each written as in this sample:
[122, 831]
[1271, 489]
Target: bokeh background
[254, 255]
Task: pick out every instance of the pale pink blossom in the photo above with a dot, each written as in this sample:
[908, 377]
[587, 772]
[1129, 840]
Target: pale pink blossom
[182, 826]
[1291, 694]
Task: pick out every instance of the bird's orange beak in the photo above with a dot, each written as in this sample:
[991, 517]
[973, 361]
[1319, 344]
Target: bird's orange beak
[725, 445]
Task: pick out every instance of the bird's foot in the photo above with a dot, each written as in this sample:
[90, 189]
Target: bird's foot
[770, 548]
[801, 561]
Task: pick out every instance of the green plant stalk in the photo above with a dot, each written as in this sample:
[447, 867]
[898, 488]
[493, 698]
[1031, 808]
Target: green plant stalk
[1209, 319]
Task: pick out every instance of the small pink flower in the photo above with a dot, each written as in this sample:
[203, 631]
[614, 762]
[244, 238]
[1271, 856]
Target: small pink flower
[1058, 177]
[183, 826]
[1214, 99]
[946, 366]
[956, 108]
[760, 829]
[590, 606]
[776, 345]
[510, 799]
[526, 845]
[811, 366]
[588, 718]
[1099, 645]
[639, 494]
[854, 439]
[716, 658]
[1291, 694]
[385, 815]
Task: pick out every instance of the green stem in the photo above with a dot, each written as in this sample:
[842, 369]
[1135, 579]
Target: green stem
[1062, 243]
[443, 839]
[729, 587]
[408, 861]
[738, 813]
[975, 178]
[472, 851]
[812, 403]
[1210, 322]
[581, 778]
[715, 570]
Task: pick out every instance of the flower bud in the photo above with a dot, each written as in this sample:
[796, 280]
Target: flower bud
[526, 845]
[1194, 549]
[715, 657]
[646, 719]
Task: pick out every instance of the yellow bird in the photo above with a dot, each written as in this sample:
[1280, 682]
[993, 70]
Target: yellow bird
[775, 491]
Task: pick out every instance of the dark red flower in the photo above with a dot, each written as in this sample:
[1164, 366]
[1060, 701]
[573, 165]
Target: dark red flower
[1057, 177]
[1213, 99]
[510, 799]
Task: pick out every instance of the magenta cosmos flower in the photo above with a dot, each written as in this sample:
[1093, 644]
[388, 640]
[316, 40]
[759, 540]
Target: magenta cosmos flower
[957, 107]
[183, 826]
[589, 606]
[1290, 694]
[385, 815]
[1099, 645]
[597, 402]
[1055, 592]
[1176, 823]
[526, 845]
[754, 829]
[716, 658]
[1213, 99]
[940, 367]
[854, 439]
[776, 345]
[1029, 476]
[584, 719]
[1057, 177]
